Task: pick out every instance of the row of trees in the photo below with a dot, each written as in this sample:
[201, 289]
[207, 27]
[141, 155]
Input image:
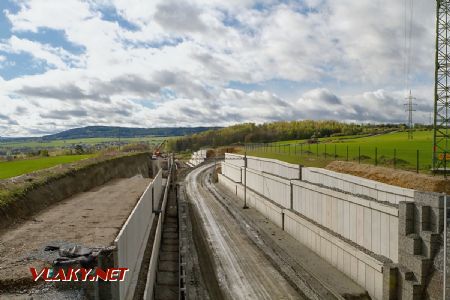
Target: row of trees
[276, 131]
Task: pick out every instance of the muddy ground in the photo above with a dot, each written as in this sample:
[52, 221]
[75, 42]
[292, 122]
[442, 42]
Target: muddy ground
[91, 218]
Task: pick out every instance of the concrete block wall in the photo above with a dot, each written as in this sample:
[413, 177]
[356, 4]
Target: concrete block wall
[272, 187]
[234, 159]
[355, 263]
[364, 269]
[357, 185]
[384, 237]
[132, 239]
[420, 229]
[368, 223]
[233, 172]
[270, 210]
[266, 165]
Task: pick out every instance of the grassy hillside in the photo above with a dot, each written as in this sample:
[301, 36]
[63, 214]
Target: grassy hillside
[378, 149]
[18, 167]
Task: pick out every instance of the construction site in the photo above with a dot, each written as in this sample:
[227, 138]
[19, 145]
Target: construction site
[232, 220]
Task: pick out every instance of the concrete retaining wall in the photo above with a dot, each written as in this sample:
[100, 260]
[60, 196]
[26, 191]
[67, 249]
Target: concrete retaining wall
[270, 210]
[154, 259]
[368, 223]
[357, 185]
[355, 263]
[383, 237]
[272, 187]
[233, 172]
[131, 241]
[266, 165]
[361, 267]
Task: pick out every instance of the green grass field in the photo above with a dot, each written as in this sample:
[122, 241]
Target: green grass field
[62, 143]
[379, 149]
[18, 167]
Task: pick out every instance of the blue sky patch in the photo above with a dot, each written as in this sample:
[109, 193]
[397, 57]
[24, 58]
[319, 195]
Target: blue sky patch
[110, 14]
[21, 64]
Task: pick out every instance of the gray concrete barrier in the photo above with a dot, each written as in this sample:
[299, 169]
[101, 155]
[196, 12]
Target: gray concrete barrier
[357, 185]
[154, 259]
[131, 241]
[384, 237]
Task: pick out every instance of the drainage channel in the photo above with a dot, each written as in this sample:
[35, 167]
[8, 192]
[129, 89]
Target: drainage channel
[167, 278]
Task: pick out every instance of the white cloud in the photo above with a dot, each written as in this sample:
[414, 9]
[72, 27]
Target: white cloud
[345, 59]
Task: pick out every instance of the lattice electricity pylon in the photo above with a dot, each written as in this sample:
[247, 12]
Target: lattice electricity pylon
[410, 108]
[442, 88]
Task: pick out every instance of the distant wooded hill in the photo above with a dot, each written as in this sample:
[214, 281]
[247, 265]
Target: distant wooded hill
[123, 132]
[279, 131]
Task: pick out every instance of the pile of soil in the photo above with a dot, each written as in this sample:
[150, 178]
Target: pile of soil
[405, 179]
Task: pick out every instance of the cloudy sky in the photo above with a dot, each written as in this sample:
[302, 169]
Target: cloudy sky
[145, 63]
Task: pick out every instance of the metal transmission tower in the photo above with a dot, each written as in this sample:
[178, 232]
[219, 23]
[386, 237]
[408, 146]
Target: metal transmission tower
[442, 87]
[410, 108]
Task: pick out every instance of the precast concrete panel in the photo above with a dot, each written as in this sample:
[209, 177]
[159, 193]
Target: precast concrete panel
[393, 238]
[361, 273]
[370, 280]
[354, 268]
[346, 232]
[384, 236]
[356, 185]
[360, 225]
[376, 231]
[232, 172]
[353, 223]
[367, 228]
[132, 238]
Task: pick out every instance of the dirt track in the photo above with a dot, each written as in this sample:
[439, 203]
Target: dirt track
[242, 269]
[91, 218]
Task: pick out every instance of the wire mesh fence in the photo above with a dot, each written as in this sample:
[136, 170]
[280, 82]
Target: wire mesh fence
[407, 159]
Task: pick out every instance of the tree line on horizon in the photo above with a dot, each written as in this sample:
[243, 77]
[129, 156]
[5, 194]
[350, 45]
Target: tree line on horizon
[278, 131]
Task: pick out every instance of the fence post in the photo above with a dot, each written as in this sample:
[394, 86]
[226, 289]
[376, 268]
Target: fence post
[376, 156]
[395, 158]
[347, 152]
[301, 149]
[359, 154]
[295, 149]
[417, 163]
[289, 146]
[335, 154]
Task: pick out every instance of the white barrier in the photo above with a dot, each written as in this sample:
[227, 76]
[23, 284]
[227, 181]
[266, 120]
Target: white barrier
[153, 265]
[357, 185]
[272, 187]
[232, 171]
[355, 263]
[336, 204]
[132, 238]
[266, 165]
[361, 267]
[370, 224]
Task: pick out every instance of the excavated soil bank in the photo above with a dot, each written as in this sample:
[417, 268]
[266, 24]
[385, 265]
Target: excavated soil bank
[92, 219]
[38, 193]
[405, 179]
